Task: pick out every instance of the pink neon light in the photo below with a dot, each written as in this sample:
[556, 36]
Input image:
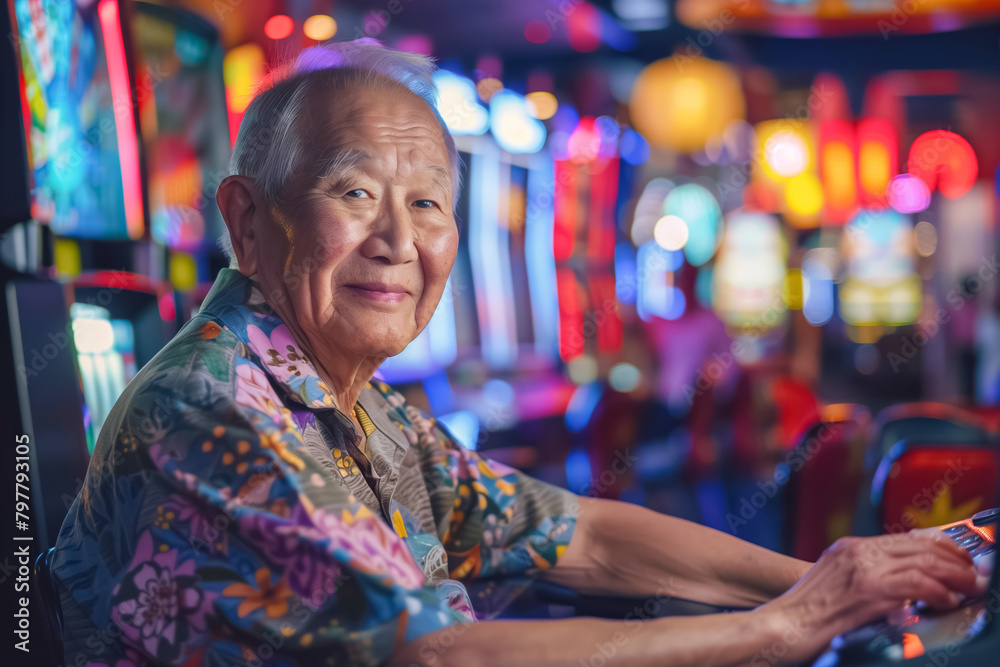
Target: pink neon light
[908, 194]
[121, 94]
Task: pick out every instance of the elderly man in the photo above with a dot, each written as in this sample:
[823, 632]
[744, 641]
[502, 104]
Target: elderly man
[256, 498]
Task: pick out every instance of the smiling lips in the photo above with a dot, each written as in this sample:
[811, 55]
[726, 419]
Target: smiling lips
[381, 292]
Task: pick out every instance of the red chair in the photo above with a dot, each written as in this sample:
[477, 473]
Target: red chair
[990, 414]
[926, 419]
[925, 485]
[825, 478]
[925, 422]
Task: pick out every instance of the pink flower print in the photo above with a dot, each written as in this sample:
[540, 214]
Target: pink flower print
[371, 545]
[281, 353]
[254, 391]
[158, 602]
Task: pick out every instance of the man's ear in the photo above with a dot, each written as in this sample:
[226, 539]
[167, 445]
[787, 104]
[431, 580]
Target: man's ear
[237, 199]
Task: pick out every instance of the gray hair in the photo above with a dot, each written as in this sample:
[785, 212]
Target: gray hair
[269, 148]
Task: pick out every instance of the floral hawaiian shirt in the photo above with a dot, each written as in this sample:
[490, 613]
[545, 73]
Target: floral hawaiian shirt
[229, 516]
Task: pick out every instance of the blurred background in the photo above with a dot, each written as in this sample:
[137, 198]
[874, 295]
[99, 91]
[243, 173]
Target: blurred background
[734, 260]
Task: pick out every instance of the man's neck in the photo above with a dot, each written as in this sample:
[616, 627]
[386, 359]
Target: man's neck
[344, 375]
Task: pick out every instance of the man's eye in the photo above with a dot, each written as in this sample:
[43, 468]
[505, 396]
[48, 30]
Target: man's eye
[424, 203]
[357, 194]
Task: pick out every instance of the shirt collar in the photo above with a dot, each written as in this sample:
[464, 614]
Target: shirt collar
[237, 300]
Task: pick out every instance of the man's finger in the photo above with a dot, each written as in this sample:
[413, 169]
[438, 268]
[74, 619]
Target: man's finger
[915, 585]
[957, 578]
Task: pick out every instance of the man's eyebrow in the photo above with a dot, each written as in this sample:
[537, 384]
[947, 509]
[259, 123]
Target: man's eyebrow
[441, 176]
[339, 162]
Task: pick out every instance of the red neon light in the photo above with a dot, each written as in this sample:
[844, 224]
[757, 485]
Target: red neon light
[945, 161]
[121, 94]
[837, 157]
[279, 26]
[118, 280]
[603, 193]
[564, 209]
[609, 324]
[878, 160]
[571, 343]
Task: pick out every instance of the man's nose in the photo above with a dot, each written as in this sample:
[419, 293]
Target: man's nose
[392, 237]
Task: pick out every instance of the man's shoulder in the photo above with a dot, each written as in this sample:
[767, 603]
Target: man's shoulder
[196, 367]
[203, 346]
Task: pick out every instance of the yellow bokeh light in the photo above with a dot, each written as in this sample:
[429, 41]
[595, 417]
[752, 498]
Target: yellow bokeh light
[66, 253]
[803, 200]
[671, 232]
[787, 153]
[542, 104]
[679, 103]
[183, 271]
[320, 27]
[242, 70]
[838, 171]
[873, 161]
[793, 289]
[785, 149]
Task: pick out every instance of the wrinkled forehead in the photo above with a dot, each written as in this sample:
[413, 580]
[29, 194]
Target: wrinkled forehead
[353, 116]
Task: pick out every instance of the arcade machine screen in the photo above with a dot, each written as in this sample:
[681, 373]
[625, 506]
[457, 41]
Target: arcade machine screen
[106, 354]
[81, 131]
[84, 152]
[182, 109]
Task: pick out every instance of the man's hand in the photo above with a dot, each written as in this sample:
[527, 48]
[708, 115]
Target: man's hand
[860, 579]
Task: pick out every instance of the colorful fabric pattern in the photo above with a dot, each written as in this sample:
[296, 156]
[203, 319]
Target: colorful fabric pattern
[229, 516]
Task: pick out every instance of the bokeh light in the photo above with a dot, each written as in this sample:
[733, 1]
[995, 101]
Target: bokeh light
[537, 32]
[457, 104]
[926, 237]
[624, 377]
[542, 104]
[242, 70]
[750, 271]
[679, 104]
[320, 27]
[582, 369]
[649, 209]
[817, 286]
[279, 26]
[515, 130]
[804, 200]
[787, 154]
[784, 150]
[488, 87]
[944, 161]
[583, 24]
[670, 232]
[908, 194]
[696, 206]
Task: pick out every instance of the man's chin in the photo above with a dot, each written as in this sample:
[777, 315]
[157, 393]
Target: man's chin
[388, 345]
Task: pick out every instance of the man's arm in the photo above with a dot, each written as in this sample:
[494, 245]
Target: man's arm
[855, 581]
[624, 549]
[718, 640]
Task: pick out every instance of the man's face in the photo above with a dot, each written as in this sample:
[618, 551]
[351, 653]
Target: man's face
[370, 236]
